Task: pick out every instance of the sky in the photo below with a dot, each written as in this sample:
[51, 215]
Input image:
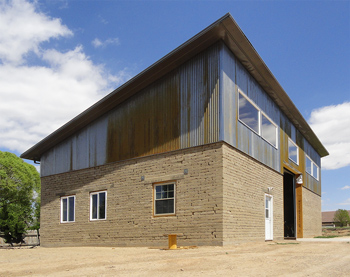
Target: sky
[58, 57]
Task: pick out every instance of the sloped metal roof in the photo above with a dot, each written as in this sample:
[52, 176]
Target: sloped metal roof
[225, 29]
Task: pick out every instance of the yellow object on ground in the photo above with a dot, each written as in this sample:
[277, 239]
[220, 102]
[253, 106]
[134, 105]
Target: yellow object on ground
[172, 241]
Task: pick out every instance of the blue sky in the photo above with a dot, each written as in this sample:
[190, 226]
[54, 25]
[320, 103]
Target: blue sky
[59, 57]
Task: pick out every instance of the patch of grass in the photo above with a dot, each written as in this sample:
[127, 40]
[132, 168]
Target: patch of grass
[326, 237]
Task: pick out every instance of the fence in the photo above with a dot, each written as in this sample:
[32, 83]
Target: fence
[31, 238]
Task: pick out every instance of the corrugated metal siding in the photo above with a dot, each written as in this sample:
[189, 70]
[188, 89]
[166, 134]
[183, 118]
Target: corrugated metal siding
[229, 97]
[310, 182]
[288, 130]
[86, 149]
[235, 78]
[182, 110]
[178, 111]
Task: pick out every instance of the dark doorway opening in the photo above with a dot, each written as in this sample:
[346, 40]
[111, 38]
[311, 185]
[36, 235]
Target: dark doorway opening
[289, 204]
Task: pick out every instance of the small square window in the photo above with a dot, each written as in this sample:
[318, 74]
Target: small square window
[164, 199]
[68, 209]
[98, 205]
[293, 151]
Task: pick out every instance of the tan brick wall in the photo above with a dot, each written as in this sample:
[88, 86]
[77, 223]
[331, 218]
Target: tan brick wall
[312, 216]
[220, 201]
[130, 220]
[245, 184]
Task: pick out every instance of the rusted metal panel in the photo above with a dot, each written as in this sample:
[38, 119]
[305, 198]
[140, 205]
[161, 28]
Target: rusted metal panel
[235, 79]
[288, 130]
[177, 111]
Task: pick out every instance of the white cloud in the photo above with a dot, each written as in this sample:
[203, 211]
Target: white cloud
[331, 124]
[347, 202]
[22, 30]
[36, 100]
[103, 20]
[346, 187]
[96, 43]
[111, 41]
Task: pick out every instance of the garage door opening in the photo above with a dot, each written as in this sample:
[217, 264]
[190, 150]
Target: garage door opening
[289, 205]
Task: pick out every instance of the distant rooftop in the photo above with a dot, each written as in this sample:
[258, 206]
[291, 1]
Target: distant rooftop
[328, 216]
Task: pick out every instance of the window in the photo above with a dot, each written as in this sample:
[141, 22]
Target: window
[268, 130]
[311, 167]
[248, 113]
[68, 209]
[308, 165]
[293, 151]
[98, 205]
[164, 199]
[251, 116]
[315, 171]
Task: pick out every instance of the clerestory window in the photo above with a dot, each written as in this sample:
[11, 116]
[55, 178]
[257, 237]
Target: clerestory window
[311, 167]
[293, 151]
[255, 119]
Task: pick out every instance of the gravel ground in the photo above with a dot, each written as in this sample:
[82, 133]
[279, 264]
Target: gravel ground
[285, 258]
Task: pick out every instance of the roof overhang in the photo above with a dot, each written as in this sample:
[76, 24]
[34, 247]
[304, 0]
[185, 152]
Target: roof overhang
[225, 29]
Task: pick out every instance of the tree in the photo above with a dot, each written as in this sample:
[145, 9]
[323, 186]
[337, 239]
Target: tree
[19, 197]
[342, 216]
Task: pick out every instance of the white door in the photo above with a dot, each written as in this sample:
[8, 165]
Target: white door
[268, 218]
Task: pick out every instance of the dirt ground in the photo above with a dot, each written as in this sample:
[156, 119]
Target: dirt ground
[283, 258]
[336, 232]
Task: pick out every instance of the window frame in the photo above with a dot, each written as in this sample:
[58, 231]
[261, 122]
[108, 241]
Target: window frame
[256, 107]
[68, 209]
[273, 123]
[296, 146]
[261, 113]
[98, 205]
[155, 200]
[313, 164]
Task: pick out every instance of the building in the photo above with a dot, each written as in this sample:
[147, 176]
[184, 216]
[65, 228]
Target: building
[328, 219]
[204, 143]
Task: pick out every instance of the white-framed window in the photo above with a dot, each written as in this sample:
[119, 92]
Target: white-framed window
[268, 130]
[293, 151]
[68, 209]
[311, 167]
[248, 113]
[256, 120]
[98, 205]
[164, 199]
